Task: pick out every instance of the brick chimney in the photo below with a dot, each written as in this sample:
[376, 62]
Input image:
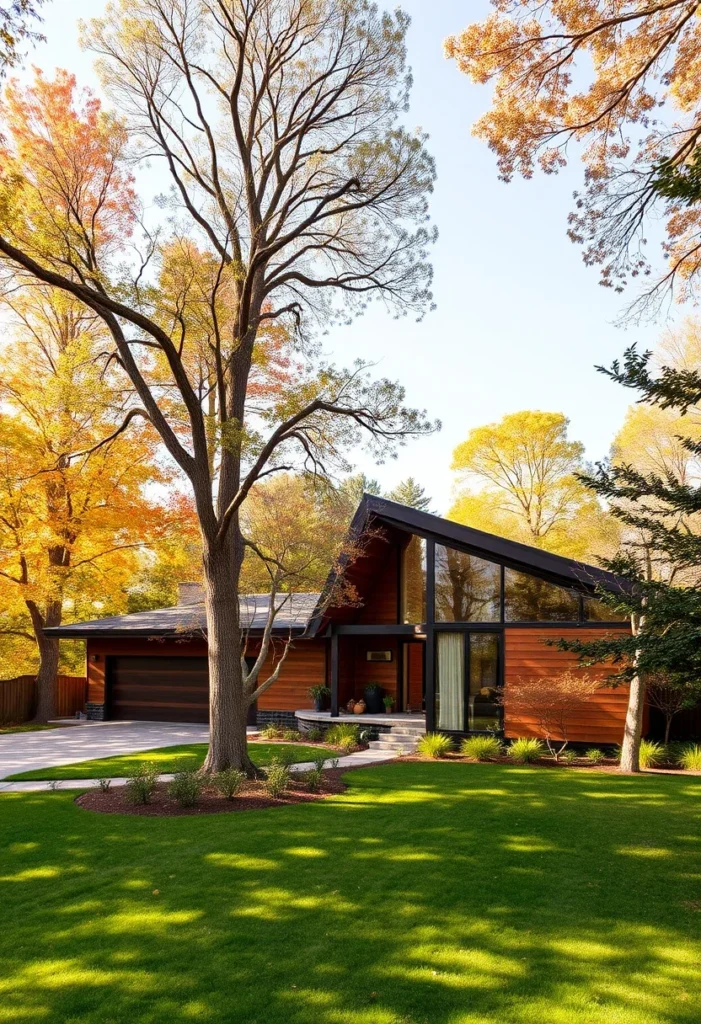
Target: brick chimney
[190, 593]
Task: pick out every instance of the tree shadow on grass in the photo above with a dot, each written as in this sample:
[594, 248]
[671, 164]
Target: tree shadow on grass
[439, 893]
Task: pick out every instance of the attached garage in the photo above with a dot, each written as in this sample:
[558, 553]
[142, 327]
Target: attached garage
[158, 689]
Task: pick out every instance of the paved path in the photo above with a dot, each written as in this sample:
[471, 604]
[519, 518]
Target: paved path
[49, 748]
[362, 757]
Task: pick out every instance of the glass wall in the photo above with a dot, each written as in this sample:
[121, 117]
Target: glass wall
[528, 599]
[484, 710]
[597, 611]
[467, 588]
[413, 581]
[450, 681]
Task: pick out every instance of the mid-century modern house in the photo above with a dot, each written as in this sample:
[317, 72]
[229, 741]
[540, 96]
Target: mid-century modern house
[447, 616]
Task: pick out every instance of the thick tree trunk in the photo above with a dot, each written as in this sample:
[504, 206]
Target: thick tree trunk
[48, 660]
[632, 733]
[228, 705]
[630, 753]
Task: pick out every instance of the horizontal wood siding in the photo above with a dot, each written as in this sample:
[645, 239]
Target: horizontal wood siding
[381, 594]
[304, 666]
[527, 657]
[18, 697]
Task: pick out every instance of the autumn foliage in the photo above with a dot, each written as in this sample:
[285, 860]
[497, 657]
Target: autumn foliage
[551, 703]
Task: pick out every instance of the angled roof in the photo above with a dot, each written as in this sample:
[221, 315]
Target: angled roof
[190, 618]
[565, 572]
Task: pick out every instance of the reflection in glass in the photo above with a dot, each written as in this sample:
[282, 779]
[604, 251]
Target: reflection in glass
[467, 587]
[597, 611]
[413, 583]
[484, 712]
[450, 681]
[528, 599]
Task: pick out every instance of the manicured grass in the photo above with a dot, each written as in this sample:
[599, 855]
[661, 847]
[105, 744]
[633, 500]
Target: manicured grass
[168, 760]
[440, 893]
[4, 729]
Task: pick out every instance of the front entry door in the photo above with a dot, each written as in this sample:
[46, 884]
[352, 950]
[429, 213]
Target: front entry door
[468, 673]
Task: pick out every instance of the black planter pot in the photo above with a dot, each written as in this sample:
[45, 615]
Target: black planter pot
[372, 696]
[319, 703]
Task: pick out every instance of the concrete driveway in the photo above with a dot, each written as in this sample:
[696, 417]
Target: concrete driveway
[23, 751]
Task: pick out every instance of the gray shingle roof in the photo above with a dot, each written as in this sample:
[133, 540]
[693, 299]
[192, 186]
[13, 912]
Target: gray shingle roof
[188, 619]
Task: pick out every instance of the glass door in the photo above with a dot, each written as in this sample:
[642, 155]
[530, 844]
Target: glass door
[468, 674]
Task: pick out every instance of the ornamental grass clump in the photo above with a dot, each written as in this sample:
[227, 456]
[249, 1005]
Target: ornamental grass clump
[690, 758]
[186, 788]
[141, 785]
[313, 735]
[229, 782]
[435, 745]
[594, 755]
[651, 754]
[271, 732]
[278, 779]
[525, 751]
[291, 736]
[569, 757]
[320, 762]
[481, 748]
[343, 732]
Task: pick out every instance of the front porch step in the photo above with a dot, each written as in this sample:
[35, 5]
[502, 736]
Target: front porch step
[394, 748]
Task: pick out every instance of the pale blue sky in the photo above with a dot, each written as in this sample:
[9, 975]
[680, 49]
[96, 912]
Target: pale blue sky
[520, 322]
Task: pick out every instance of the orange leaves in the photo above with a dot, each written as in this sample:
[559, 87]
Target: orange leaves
[77, 198]
[598, 73]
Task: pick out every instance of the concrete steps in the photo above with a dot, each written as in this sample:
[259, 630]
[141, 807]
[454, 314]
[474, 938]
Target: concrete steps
[402, 738]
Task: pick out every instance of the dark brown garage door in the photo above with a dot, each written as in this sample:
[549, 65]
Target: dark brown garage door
[159, 689]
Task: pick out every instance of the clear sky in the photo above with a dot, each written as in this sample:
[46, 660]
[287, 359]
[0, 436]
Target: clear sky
[520, 322]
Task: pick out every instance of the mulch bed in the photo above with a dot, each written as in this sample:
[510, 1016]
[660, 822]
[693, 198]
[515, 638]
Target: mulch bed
[251, 798]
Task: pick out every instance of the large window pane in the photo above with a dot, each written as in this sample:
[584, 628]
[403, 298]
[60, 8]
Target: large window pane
[450, 681]
[597, 611]
[528, 599]
[484, 712]
[413, 583]
[467, 587]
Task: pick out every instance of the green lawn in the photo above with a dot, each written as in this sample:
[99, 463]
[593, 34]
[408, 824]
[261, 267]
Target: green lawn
[4, 729]
[427, 894]
[168, 760]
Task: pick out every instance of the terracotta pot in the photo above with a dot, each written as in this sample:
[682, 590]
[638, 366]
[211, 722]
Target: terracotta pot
[359, 707]
[388, 711]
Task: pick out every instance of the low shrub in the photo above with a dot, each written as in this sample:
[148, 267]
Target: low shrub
[140, 787]
[525, 751]
[347, 744]
[313, 779]
[229, 782]
[651, 754]
[104, 784]
[594, 755]
[343, 731]
[288, 757]
[291, 736]
[481, 748]
[186, 788]
[271, 732]
[569, 756]
[314, 735]
[320, 762]
[278, 778]
[435, 745]
[690, 758]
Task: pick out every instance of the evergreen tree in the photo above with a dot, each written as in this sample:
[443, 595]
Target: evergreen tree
[660, 568]
[409, 492]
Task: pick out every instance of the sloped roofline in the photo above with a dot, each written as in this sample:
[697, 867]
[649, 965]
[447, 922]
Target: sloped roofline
[565, 572]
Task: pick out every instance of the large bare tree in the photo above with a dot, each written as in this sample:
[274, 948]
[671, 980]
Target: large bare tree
[296, 196]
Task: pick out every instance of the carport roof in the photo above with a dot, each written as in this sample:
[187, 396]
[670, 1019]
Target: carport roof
[188, 619]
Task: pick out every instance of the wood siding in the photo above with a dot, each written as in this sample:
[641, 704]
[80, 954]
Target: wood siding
[527, 657]
[18, 697]
[381, 596]
[304, 666]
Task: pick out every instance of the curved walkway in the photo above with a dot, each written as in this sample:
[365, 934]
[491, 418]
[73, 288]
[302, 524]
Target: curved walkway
[361, 757]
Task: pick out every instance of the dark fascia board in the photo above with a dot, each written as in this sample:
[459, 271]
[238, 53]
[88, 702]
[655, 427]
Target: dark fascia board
[85, 632]
[565, 572]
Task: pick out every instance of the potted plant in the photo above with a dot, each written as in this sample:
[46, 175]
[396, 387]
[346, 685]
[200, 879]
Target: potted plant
[320, 695]
[388, 703]
[350, 706]
[373, 698]
[359, 707]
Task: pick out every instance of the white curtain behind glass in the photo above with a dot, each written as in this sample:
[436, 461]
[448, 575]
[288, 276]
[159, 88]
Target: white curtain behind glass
[451, 668]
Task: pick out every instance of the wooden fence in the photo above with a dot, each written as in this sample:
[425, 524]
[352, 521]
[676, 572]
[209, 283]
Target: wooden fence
[18, 697]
